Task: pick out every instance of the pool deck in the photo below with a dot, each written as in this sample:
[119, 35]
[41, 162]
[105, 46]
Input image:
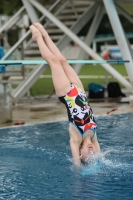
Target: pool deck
[41, 109]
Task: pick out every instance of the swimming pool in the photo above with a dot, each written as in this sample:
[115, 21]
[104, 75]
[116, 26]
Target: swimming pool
[35, 162]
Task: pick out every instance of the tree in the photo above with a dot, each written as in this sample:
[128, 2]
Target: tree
[9, 7]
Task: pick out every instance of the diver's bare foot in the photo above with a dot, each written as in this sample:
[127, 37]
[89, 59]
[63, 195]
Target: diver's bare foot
[41, 29]
[35, 33]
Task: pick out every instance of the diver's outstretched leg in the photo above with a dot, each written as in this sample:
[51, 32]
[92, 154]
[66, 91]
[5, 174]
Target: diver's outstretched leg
[60, 80]
[69, 71]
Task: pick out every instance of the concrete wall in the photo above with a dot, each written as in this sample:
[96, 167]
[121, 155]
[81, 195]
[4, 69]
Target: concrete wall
[5, 103]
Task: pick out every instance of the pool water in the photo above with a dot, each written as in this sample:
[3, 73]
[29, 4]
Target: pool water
[35, 162]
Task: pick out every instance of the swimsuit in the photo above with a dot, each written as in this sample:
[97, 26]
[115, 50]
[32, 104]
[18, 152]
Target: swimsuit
[79, 111]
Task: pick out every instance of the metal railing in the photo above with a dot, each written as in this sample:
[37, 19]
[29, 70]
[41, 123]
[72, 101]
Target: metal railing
[12, 20]
[26, 35]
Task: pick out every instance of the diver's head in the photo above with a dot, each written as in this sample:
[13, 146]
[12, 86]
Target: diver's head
[87, 150]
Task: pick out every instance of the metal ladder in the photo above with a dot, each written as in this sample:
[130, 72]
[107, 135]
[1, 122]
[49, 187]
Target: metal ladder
[74, 16]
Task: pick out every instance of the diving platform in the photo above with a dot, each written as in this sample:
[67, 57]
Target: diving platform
[63, 20]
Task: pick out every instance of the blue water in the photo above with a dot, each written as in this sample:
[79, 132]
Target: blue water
[35, 163]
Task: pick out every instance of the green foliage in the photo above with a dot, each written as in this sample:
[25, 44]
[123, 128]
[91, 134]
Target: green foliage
[9, 7]
[13, 37]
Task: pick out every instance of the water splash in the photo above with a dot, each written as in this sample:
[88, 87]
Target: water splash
[108, 165]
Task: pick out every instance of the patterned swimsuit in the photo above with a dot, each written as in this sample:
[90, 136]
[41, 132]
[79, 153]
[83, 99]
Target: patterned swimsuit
[79, 111]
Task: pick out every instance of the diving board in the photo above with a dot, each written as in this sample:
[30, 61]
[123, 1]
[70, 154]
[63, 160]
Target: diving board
[38, 62]
[33, 76]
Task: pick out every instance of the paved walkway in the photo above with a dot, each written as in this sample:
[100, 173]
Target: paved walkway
[46, 110]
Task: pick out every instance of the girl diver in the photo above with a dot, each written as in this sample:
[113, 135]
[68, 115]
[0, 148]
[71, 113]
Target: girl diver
[70, 91]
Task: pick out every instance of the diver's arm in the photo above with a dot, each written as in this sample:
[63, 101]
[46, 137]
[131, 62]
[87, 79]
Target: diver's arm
[96, 144]
[74, 145]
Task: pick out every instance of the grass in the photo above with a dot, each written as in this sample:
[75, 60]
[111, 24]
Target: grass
[45, 85]
[99, 70]
[42, 86]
